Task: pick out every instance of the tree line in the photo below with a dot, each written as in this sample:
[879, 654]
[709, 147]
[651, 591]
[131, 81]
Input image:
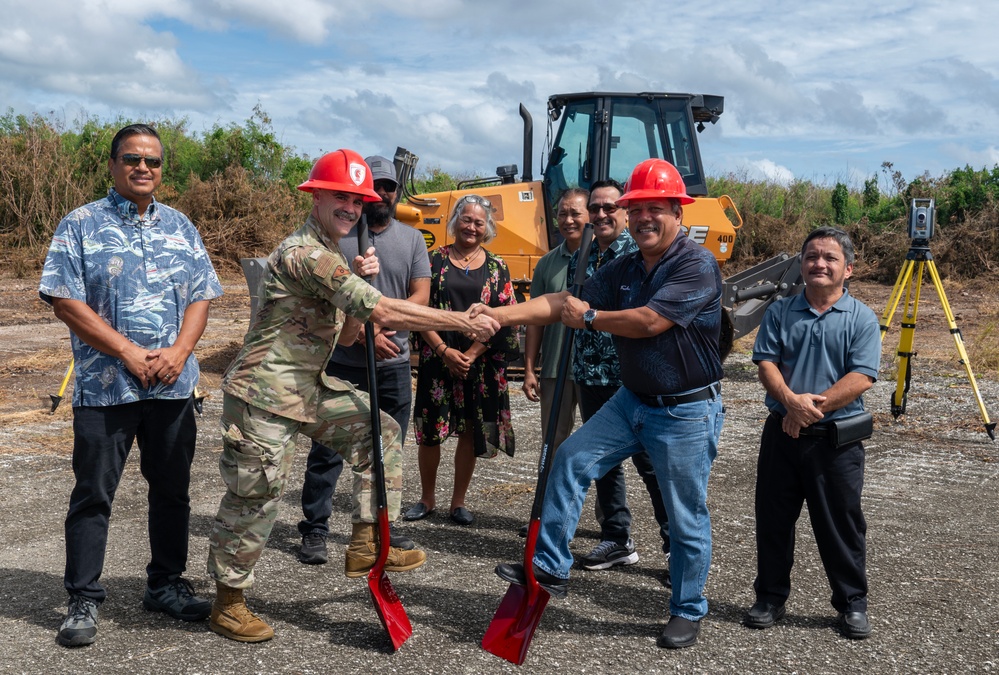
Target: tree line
[237, 183]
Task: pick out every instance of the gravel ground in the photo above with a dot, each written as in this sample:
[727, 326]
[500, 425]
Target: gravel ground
[930, 501]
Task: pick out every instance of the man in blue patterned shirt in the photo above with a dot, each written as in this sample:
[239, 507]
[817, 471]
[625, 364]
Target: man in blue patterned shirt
[132, 280]
[597, 372]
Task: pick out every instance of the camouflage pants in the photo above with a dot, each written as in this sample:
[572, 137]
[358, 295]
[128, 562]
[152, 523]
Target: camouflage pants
[257, 453]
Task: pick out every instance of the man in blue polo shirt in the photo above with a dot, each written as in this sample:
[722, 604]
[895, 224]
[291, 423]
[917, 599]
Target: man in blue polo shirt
[662, 304]
[817, 353]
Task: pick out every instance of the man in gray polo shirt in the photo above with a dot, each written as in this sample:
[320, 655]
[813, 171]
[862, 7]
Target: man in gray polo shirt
[817, 353]
[405, 274]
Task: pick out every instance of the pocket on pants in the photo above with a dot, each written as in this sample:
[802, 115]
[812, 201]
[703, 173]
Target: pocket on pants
[246, 469]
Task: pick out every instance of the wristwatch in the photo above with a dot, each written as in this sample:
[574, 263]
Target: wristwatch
[588, 318]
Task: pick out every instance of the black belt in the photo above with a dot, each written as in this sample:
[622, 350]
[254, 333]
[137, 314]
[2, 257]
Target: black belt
[667, 400]
[816, 430]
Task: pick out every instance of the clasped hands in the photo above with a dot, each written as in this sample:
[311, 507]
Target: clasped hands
[154, 366]
[802, 411]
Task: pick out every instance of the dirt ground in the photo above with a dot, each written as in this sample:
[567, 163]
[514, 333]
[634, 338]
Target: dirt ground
[930, 500]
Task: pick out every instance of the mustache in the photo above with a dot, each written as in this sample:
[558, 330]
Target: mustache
[345, 215]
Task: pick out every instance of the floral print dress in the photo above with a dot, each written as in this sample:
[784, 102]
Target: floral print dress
[446, 405]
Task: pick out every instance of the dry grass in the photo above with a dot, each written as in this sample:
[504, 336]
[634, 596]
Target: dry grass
[241, 217]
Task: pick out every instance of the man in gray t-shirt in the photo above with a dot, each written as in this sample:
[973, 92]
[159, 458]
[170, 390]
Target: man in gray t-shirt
[405, 274]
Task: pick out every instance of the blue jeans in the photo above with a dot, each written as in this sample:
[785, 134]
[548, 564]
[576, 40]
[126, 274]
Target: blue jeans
[682, 442]
[613, 513]
[324, 465]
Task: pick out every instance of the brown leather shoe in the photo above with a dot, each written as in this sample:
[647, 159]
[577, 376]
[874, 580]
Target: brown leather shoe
[231, 617]
[363, 551]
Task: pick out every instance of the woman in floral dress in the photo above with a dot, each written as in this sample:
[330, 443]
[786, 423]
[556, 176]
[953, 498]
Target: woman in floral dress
[461, 386]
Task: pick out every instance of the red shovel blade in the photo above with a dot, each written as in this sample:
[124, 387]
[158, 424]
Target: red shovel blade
[509, 635]
[390, 610]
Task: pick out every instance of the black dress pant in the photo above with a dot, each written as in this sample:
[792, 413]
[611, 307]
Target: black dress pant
[830, 480]
[165, 431]
[612, 496]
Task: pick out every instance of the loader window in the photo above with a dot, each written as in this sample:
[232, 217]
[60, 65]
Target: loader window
[642, 129]
[569, 162]
[635, 136]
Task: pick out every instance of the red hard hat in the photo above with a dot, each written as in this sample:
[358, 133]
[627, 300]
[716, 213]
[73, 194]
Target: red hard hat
[655, 179]
[343, 171]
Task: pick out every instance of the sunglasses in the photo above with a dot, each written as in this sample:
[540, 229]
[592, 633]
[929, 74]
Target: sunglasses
[135, 160]
[475, 199]
[609, 209]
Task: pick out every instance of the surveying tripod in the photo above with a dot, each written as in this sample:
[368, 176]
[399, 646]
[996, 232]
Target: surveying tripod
[910, 279]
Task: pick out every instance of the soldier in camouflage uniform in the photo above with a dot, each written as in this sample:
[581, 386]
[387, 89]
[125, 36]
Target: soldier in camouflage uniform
[276, 388]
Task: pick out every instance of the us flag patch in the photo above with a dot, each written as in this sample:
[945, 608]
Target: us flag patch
[324, 265]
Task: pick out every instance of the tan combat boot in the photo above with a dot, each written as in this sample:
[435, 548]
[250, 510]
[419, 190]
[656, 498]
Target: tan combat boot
[233, 619]
[363, 549]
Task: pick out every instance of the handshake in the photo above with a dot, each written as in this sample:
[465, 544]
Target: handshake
[480, 323]
[539, 311]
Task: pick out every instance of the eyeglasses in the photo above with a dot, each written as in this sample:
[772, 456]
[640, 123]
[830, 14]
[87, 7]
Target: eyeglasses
[609, 209]
[475, 199]
[386, 185]
[135, 160]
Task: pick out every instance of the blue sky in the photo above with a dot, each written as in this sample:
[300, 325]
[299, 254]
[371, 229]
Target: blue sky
[823, 93]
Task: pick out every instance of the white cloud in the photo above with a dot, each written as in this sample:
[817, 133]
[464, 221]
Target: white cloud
[773, 172]
[816, 89]
[987, 157]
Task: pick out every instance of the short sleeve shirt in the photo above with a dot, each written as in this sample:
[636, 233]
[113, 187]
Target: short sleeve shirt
[684, 287]
[595, 361]
[551, 275]
[814, 351]
[402, 252]
[308, 292]
[139, 273]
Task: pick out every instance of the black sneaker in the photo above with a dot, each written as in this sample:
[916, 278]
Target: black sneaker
[313, 550]
[400, 541]
[607, 554]
[176, 598]
[79, 628]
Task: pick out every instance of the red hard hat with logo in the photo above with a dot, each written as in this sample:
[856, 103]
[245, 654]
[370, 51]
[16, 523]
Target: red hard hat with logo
[655, 179]
[343, 171]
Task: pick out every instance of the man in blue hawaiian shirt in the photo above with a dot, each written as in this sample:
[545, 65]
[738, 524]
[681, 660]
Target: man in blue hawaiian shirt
[132, 280]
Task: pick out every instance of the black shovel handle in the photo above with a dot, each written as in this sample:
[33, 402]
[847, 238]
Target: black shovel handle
[568, 335]
[378, 456]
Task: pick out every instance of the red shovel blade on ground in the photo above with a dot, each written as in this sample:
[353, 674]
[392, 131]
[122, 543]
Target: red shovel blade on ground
[510, 632]
[390, 610]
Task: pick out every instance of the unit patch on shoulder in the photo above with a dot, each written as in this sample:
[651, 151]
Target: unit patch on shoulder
[340, 271]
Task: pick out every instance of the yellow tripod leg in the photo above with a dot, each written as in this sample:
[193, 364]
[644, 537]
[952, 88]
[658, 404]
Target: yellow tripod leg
[961, 352]
[62, 389]
[907, 339]
[896, 295]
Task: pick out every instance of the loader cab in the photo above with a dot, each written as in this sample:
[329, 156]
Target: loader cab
[605, 135]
